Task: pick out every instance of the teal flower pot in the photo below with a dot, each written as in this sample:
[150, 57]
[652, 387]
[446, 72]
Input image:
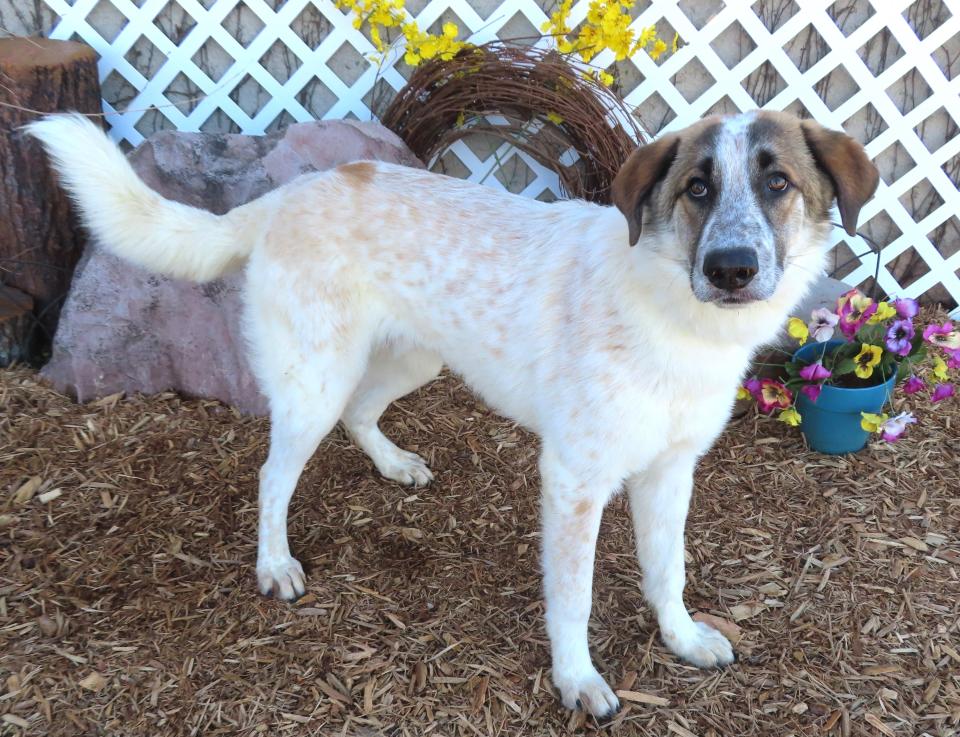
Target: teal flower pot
[832, 424]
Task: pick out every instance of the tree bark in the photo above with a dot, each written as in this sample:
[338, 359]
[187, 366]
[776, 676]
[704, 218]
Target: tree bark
[16, 320]
[40, 240]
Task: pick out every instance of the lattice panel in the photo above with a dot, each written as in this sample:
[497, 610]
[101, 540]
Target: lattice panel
[882, 69]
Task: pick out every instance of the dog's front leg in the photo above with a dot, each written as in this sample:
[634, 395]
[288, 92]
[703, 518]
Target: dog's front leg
[659, 499]
[571, 520]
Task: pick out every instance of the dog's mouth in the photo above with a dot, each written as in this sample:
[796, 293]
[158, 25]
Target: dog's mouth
[736, 300]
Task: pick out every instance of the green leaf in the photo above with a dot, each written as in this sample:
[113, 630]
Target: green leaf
[904, 369]
[871, 334]
[847, 350]
[845, 366]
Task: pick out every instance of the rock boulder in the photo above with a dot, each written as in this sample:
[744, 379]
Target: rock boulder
[123, 329]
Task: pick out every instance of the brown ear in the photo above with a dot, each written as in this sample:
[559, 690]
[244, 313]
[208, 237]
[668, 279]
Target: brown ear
[633, 183]
[854, 176]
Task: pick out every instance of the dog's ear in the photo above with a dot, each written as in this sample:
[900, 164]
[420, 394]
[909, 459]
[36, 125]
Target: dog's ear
[636, 178]
[853, 175]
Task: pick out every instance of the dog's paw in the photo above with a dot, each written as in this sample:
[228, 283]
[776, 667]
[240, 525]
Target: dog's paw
[405, 467]
[703, 646]
[281, 576]
[589, 692]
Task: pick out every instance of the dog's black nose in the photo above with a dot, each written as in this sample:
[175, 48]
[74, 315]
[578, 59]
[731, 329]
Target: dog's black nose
[731, 268]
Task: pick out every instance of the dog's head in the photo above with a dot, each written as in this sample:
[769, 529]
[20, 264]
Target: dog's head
[736, 196]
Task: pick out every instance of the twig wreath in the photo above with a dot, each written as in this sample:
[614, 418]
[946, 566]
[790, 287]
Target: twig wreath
[531, 98]
[547, 103]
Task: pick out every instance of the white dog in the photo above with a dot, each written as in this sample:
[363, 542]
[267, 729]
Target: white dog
[363, 280]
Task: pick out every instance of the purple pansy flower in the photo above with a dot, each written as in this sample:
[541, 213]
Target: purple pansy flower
[892, 429]
[907, 308]
[943, 336]
[811, 391]
[822, 324]
[815, 372]
[900, 336]
[913, 385]
[941, 392]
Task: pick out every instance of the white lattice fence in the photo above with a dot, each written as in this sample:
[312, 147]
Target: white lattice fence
[882, 69]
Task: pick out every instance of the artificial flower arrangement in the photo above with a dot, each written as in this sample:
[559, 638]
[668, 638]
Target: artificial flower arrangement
[607, 26]
[879, 341]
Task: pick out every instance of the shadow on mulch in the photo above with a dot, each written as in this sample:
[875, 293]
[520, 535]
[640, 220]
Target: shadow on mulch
[128, 603]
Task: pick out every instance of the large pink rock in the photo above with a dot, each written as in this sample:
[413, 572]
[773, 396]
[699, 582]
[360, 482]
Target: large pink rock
[124, 329]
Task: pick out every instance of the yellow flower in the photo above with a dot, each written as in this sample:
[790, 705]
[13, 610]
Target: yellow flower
[790, 416]
[658, 48]
[872, 422]
[647, 36]
[676, 43]
[554, 118]
[868, 357]
[605, 78]
[884, 312]
[798, 330]
[559, 26]
[939, 368]
[375, 38]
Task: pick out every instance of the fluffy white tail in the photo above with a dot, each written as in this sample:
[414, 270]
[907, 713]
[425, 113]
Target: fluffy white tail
[128, 217]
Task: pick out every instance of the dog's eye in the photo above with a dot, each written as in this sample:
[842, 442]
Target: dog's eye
[697, 188]
[777, 183]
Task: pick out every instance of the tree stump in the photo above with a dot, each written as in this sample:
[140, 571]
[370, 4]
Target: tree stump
[40, 240]
[16, 321]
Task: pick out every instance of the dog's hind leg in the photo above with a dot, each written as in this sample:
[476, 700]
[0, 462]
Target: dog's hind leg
[305, 403]
[391, 373]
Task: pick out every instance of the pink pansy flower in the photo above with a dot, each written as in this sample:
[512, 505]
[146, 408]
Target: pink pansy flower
[907, 308]
[822, 325]
[953, 358]
[943, 336]
[811, 391]
[815, 372]
[773, 395]
[899, 337]
[854, 310]
[941, 392]
[913, 385]
[892, 429]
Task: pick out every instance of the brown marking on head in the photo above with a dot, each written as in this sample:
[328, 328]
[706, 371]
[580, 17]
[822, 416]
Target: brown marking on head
[649, 165]
[777, 148]
[799, 149]
[358, 172]
[636, 178]
[844, 160]
[761, 182]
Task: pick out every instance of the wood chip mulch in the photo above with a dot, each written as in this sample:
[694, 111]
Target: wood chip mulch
[128, 602]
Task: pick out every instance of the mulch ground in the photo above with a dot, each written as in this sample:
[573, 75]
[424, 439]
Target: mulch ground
[128, 602]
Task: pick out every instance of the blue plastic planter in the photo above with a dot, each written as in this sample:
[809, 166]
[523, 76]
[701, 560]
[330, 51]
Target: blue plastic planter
[832, 424]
